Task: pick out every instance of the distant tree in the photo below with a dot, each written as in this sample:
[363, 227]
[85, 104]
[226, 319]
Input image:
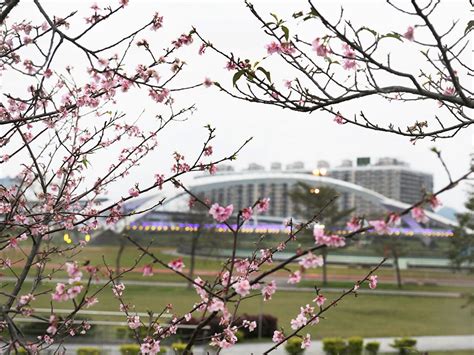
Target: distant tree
[198, 215]
[392, 247]
[462, 243]
[308, 200]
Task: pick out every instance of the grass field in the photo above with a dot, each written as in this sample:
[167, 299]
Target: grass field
[365, 315]
[97, 255]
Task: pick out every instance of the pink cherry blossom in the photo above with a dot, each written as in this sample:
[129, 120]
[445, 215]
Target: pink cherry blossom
[219, 213]
[373, 281]
[150, 346]
[60, 293]
[394, 219]
[273, 47]
[133, 192]
[118, 289]
[90, 301]
[306, 343]
[242, 265]
[177, 264]
[157, 22]
[247, 213]
[75, 275]
[339, 119]
[263, 205]
[216, 305]
[231, 65]
[148, 270]
[74, 291]
[299, 321]
[278, 336]
[287, 48]
[434, 202]
[25, 299]
[208, 82]
[133, 322]
[419, 215]
[159, 180]
[242, 287]
[353, 224]
[320, 299]
[320, 49]
[334, 240]
[249, 325]
[380, 226]
[266, 255]
[311, 261]
[449, 91]
[208, 151]
[295, 277]
[349, 64]
[410, 33]
[269, 290]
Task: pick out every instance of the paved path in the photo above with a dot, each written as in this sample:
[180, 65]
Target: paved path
[280, 288]
[424, 344]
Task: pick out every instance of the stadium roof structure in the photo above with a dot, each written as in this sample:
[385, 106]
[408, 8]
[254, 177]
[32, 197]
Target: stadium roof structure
[203, 184]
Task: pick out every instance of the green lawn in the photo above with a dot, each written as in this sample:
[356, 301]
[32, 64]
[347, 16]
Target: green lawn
[96, 255]
[365, 315]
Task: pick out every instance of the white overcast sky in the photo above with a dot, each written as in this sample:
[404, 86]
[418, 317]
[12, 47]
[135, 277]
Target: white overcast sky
[279, 135]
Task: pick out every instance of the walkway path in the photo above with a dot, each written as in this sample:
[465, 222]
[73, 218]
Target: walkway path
[424, 344]
[280, 288]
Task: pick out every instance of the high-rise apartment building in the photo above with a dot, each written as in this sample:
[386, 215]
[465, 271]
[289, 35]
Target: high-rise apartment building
[388, 176]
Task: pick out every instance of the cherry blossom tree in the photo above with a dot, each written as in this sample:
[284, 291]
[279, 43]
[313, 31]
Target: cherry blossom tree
[62, 121]
[330, 62]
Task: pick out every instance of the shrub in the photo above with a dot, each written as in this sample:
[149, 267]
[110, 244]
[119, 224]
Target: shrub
[88, 350]
[121, 332]
[130, 349]
[355, 346]
[142, 332]
[293, 346]
[269, 325]
[372, 347]
[178, 348]
[404, 345]
[334, 346]
[240, 335]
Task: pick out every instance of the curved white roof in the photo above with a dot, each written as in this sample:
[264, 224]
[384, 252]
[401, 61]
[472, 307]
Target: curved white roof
[226, 180]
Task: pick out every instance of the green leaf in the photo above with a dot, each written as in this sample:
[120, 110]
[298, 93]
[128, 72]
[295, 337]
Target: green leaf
[298, 14]
[275, 17]
[286, 31]
[374, 33]
[267, 73]
[469, 26]
[392, 35]
[237, 76]
[331, 61]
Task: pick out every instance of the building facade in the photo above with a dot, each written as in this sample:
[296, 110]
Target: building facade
[388, 177]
